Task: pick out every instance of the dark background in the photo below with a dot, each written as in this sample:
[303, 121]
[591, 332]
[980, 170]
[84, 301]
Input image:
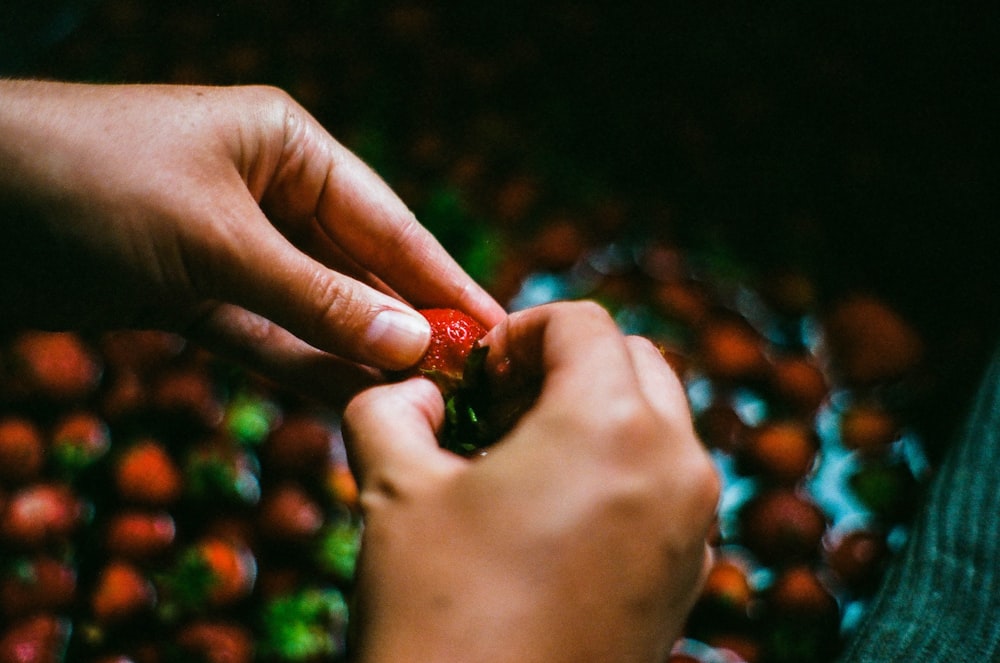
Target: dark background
[853, 141]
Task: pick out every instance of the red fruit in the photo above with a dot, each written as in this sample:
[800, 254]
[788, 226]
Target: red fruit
[798, 592]
[869, 342]
[799, 383]
[216, 642]
[79, 439]
[858, 558]
[780, 451]
[187, 396]
[342, 486]
[731, 350]
[122, 591]
[301, 446]
[146, 474]
[39, 639]
[22, 450]
[40, 514]
[727, 586]
[720, 427]
[453, 336]
[868, 428]
[41, 583]
[287, 513]
[233, 567]
[782, 526]
[214, 571]
[54, 366]
[139, 535]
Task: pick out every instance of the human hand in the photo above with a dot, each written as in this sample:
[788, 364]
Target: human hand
[227, 214]
[580, 536]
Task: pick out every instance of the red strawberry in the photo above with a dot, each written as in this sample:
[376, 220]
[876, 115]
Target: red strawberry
[54, 366]
[139, 534]
[40, 583]
[39, 639]
[22, 450]
[122, 591]
[213, 571]
[301, 446]
[287, 513]
[216, 642]
[80, 439]
[453, 337]
[40, 514]
[782, 525]
[146, 474]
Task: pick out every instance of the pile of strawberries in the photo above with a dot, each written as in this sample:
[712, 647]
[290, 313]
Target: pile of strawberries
[157, 504]
[804, 403]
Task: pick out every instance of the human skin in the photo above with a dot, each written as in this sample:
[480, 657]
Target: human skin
[581, 536]
[227, 214]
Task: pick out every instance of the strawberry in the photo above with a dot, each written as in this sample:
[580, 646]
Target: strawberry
[53, 366]
[42, 638]
[288, 514]
[780, 451]
[40, 514]
[301, 446]
[782, 525]
[139, 534]
[146, 474]
[37, 583]
[22, 450]
[79, 440]
[121, 592]
[453, 337]
[212, 572]
[455, 361]
[216, 642]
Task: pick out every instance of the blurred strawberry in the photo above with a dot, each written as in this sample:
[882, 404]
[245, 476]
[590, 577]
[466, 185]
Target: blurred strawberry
[40, 583]
[288, 514]
[145, 473]
[798, 383]
[302, 446]
[731, 350]
[781, 526]
[869, 342]
[220, 472]
[868, 428]
[79, 439]
[52, 366]
[42, 638]
[216, 642]
[212, 572]
[41, 514]
[341, 485]
[121, 592]
[22, 450]
[139, 535]
[858, 558]
[186, 397]
[779, 451]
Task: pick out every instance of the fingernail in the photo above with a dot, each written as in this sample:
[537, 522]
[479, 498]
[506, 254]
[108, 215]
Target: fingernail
[398, 338]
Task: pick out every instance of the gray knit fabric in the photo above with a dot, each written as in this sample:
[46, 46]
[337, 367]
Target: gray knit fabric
[941, 600]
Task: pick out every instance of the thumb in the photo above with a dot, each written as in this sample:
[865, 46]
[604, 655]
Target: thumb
[391, 429]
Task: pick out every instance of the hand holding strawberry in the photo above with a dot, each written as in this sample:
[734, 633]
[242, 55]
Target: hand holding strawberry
[520, 555]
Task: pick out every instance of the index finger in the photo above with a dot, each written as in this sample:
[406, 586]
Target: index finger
[361, 214]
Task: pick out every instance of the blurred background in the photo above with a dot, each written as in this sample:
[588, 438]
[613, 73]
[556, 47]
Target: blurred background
[796, 200]
[849, 142]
